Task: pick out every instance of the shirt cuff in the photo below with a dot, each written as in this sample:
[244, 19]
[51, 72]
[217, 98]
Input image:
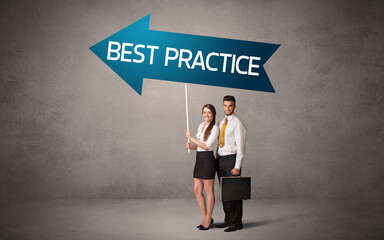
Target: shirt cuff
[237, 165]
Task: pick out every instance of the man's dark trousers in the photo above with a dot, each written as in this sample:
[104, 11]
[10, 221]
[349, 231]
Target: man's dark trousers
[233, 209]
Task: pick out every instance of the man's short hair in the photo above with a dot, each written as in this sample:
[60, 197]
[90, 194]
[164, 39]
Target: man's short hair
[230, 98]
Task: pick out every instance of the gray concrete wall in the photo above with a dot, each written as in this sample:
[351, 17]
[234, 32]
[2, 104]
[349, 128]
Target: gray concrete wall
[71, 128]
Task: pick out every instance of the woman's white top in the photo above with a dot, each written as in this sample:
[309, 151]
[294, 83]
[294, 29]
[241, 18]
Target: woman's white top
[212, 139]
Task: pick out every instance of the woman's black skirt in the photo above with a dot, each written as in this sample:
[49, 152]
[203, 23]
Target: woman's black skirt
[205, 166]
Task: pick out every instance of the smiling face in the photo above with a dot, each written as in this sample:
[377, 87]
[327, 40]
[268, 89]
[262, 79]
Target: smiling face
[207, 115]
[229, 107]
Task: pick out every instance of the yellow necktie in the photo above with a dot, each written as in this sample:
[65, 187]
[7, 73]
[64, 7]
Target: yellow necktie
[222, 133]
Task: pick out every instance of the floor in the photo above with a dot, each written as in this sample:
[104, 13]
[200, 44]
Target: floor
[177, 219]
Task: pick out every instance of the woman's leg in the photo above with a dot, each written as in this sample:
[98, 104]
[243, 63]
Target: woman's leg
[209, 191]
[198, 189]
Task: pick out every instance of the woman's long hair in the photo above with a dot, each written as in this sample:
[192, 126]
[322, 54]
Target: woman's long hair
[212, 123]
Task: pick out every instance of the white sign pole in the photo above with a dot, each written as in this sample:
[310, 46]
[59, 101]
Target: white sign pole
[186, 110]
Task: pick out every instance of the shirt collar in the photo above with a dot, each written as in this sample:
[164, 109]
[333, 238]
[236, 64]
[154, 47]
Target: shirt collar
[230, 117]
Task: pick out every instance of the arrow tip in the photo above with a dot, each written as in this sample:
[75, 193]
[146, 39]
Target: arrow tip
[128, 73]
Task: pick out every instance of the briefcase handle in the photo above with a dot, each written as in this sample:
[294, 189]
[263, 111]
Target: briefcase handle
[234, 176]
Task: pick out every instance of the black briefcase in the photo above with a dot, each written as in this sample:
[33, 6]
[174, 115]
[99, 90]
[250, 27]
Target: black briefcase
[235, 188]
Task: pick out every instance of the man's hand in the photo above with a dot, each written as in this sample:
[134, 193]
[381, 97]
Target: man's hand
[189, 146]
[235, 172]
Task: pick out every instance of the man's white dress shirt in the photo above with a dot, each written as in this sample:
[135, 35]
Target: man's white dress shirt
[235, 137]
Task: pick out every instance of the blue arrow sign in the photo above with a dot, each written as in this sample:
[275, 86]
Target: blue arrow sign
[136, 52]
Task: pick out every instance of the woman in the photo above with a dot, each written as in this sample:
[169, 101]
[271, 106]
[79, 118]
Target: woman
[205, 166]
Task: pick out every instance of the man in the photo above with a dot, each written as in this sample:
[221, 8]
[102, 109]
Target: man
[231, 150]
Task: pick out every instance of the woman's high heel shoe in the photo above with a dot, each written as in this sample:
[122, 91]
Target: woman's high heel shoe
[202, 225]
[210, 226]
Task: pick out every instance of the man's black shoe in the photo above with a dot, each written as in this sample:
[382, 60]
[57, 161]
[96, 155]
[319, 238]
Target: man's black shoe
[232, 229]
[223, 225]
